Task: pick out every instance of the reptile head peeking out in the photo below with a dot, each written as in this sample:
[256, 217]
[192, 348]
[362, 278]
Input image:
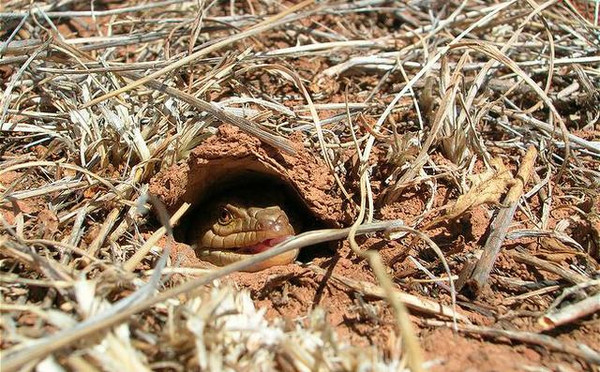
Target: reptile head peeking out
[242, 222]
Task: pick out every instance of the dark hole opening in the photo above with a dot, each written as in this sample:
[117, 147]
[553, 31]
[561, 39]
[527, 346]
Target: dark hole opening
[260, 190]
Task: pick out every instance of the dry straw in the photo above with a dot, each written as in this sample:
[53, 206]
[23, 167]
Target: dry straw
[480, 99]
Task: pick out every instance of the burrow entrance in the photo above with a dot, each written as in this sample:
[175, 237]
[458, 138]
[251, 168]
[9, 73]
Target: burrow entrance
[233, 164]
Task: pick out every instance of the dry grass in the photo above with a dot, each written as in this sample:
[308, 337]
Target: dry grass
[96, 102]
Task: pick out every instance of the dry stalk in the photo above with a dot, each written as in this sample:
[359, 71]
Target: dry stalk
[413, 302]
[404, 325]
[499, 227]
[580, 350]
[571, 313]
[252, 31]
[510, 75]
[139, 255]
[550, 267]
[15, 359]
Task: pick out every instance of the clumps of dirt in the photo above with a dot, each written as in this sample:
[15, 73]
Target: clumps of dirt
[457, 352]
[232, 160]
[232, 157]
[291, 292]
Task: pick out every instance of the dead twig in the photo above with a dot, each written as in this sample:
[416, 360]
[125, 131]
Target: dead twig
[416, 303]
[15, 359]
[499, 228]
[581, 351]
[571, 313]
[550, 267]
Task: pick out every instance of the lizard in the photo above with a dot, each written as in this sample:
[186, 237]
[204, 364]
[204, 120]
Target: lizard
[231, 227]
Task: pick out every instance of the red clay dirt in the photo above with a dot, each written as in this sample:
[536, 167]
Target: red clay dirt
[233, 155]
[291, 291]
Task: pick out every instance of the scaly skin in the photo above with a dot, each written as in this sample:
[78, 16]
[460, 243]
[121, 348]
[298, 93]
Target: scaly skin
[234, 229]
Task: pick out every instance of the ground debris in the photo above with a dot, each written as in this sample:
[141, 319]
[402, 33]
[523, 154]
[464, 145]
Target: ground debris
[395, 114]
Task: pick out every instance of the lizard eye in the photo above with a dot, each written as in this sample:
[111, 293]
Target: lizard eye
[225, 216]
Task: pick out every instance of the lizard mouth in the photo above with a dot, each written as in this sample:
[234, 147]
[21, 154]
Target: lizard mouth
[242, 232]
[222, 257]
[261, 247]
